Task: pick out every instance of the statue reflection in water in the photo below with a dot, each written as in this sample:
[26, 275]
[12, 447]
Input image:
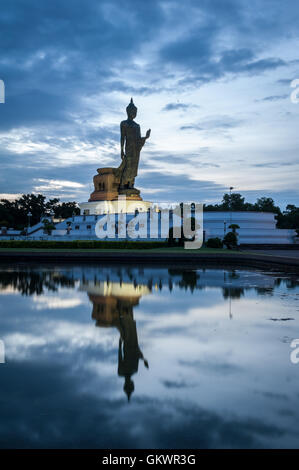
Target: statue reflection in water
[113, 304]
[129, 352]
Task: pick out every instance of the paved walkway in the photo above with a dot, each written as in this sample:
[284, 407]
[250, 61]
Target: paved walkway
[282, 260]
[284, 253]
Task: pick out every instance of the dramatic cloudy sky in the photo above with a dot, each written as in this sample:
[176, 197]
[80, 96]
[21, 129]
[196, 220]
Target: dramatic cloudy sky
[211, 78]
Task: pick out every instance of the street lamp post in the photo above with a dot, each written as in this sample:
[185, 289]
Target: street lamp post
[230, 203]
[29, 215]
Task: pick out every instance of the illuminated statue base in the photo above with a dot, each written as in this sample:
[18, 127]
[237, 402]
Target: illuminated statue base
[109, 198]
[122, 204]
[107, 186]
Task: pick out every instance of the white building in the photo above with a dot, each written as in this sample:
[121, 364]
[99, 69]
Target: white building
[255, 228]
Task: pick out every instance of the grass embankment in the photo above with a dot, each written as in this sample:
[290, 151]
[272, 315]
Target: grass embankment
[96, 246]
[80, 244]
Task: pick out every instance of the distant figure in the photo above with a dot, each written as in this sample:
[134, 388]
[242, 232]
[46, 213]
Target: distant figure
[131, 144]
[129, 352]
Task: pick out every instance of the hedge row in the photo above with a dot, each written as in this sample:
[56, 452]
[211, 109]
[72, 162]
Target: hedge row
[214, 243]
[79, 244]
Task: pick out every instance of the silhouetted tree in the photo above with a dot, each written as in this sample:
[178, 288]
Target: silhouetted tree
[266, 204]
[15, 213]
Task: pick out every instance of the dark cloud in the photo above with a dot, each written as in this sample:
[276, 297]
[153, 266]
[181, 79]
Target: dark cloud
[263, 65]
[285, 81]
[29, 170]
[214, 366]
[275, 97]
[273, 164]
[56, 53]
[33, 108]
[176, 106]
[214, 71]
[191, 127]
[133, 90]
[180, 187]
[174, 384]
[217, 123]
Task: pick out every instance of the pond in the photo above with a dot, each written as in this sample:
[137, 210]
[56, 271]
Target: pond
[131, 357]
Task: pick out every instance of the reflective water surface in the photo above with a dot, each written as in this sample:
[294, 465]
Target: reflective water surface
[130, 357]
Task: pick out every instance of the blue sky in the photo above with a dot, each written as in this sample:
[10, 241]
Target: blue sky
[210, 78]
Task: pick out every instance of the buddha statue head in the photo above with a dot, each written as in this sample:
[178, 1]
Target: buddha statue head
[131, 110]
[129, 386]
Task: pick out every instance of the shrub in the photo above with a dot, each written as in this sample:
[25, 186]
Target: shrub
[230, 240]
[214, 243]
[85, 244]
[234, 227]
[48, 226]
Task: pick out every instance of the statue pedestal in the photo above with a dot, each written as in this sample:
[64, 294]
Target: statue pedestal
[106, 187]
[131, 194]
[106, 184]
[107, 197]
[114, 207]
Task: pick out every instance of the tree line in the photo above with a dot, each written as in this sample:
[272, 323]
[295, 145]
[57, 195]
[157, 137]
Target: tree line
[14, 213]
[289, 218]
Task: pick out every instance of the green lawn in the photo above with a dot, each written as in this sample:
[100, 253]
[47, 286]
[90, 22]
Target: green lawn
[113, 250]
